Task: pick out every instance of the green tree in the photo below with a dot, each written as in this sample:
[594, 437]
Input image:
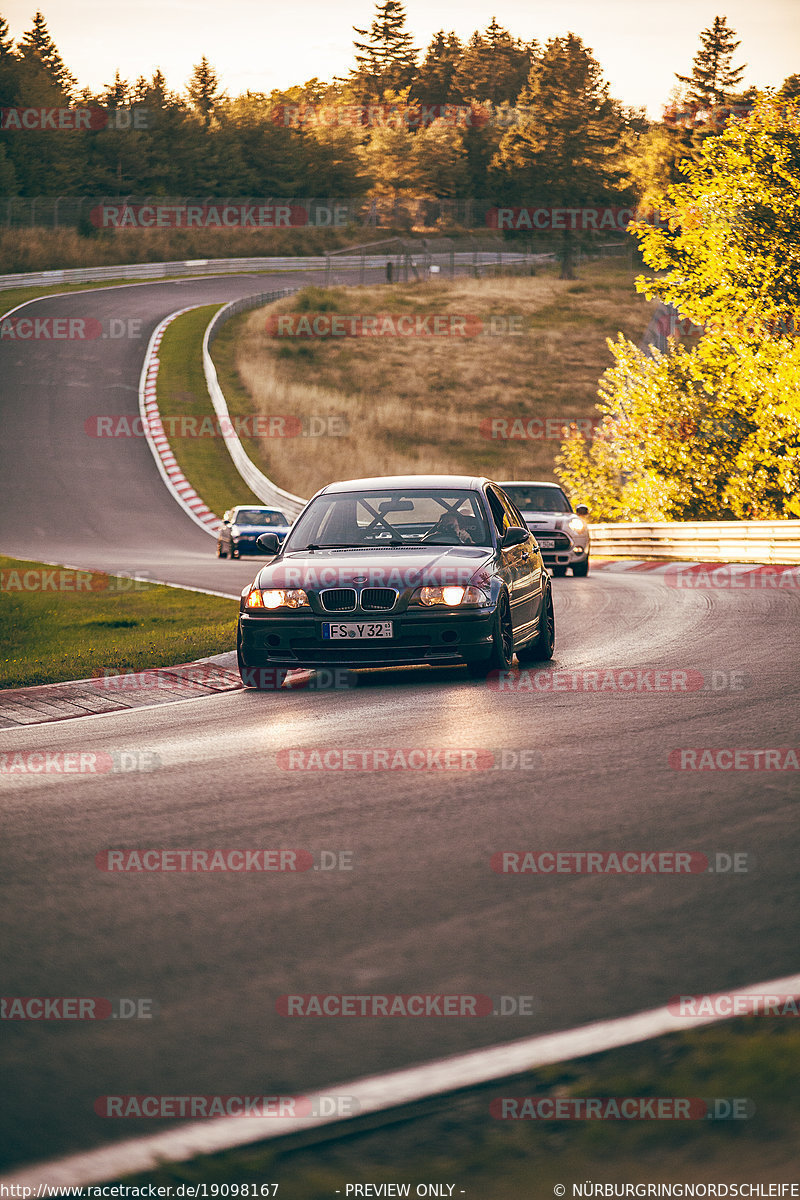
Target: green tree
[6, 41]
[386, 59]
[713, 77]
[568, 152]
[434, 81]
[790, 88]
[494, 66]
[37, 47]
[713, 431]
[204, 91]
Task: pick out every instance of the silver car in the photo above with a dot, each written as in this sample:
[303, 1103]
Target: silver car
[562, 534]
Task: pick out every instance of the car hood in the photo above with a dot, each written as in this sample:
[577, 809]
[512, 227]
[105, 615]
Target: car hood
[547, 520]
[401, 568]
[255, 530]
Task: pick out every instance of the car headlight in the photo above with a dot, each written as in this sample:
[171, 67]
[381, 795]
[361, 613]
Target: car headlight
[276, 598]
[577, 525]
[449, 597]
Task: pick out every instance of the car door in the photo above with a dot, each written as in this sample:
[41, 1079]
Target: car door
[527, 566]
[516, 565]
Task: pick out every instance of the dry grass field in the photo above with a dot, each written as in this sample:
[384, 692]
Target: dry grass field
[417, 403]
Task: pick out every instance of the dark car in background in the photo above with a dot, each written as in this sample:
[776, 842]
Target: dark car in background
[562, 534]
[405, 570]
[242, 526]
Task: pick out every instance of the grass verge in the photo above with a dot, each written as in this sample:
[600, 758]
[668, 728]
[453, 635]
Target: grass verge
[57, 624]
[425, 404]
[459, 1143]
[42, 249]
[188, 416]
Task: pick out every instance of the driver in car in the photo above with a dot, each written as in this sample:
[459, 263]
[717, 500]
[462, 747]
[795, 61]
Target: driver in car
[449, 526]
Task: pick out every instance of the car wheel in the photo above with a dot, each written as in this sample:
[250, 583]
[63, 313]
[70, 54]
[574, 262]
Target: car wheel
[581, 569]
[559, 571]
[542, 647]
[502, 653]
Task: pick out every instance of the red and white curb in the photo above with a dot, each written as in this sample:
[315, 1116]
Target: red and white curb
[377, 1094]
[698, 574]
[176, 482]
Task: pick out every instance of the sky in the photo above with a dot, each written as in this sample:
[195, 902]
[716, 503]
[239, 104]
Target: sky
[260, 44]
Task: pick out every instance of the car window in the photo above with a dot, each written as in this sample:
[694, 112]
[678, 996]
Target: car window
[517, 518]
[501, 518]
[434, 516]
[538, 499]
[260, 517]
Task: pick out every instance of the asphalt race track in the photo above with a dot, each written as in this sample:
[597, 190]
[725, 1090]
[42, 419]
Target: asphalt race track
[421, 910]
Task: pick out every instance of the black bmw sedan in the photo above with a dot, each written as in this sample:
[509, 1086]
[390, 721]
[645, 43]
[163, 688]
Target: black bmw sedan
[405, 570]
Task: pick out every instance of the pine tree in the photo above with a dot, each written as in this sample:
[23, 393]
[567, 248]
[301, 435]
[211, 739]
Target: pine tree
[568, 152]
[434, 81]
[38, 48]
[386, 60]
[204, 91]
[494, 66]
[713, 78]
[6, 41]
[790, 88]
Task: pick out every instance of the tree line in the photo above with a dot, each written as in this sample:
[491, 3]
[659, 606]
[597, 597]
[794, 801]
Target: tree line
[501, 118]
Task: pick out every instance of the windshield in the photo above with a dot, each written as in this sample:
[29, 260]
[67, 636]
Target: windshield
[537, 499]
[391, 517]
[259, 516]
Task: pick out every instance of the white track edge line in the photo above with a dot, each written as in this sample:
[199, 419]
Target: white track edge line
[378, 1093]
[182, 587]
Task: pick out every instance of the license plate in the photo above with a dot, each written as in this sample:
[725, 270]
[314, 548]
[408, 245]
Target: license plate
[546, 543]
[356, 629]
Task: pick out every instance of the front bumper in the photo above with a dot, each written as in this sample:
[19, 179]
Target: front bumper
[567, 550]
[294, 641]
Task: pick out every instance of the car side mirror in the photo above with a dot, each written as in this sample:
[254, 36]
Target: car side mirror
[268, 542]
[514, 537]
[582, 510]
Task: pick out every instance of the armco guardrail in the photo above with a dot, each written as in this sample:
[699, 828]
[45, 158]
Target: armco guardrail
[704, 541]
[237, 266]
[267, 491]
